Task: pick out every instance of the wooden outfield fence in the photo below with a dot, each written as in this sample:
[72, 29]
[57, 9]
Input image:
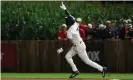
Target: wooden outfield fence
[41, 56]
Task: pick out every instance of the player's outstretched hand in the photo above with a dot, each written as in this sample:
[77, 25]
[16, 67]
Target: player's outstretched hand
[63, 6]
[60, 50]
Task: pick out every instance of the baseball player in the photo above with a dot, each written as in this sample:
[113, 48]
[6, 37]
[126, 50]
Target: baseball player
[78, 47]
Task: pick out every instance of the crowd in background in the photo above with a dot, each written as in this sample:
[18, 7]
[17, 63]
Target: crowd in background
[105, 30]
[42, 20]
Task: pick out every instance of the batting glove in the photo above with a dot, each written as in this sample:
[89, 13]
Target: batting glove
[60, 50]
[63, 6]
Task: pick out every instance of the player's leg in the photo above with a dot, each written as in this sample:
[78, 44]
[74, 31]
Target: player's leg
[89, 62]
[69, 59]
[81, 50]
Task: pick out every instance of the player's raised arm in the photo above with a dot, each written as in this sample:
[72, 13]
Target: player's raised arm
[67, 12]
[70, 20]
[65, 9]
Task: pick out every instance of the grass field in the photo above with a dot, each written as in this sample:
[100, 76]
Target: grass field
[63, 76]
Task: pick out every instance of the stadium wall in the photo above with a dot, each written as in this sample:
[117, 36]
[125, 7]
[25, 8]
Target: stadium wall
[41, 56]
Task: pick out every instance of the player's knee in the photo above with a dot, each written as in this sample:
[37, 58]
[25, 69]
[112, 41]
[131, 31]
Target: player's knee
[67, 56]
[87, 61]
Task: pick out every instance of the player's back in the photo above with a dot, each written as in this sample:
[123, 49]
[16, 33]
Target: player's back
[74, 29]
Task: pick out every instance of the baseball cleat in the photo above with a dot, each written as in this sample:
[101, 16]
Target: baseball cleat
[104, 71]
[74, 74]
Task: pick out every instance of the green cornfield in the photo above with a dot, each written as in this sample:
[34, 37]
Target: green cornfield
[41, 20]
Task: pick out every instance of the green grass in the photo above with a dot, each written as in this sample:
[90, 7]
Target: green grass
[63, 75]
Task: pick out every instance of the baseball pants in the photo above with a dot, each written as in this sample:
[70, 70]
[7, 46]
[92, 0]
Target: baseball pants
[80, 49]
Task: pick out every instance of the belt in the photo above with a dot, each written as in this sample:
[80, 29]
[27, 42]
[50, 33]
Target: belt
[80, 43]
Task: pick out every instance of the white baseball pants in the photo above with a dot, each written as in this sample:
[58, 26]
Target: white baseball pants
[80, 49]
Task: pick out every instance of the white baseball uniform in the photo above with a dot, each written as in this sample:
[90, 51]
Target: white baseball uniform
[79, 48]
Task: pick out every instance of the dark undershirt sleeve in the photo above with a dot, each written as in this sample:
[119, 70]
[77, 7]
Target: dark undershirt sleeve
[70, 16]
